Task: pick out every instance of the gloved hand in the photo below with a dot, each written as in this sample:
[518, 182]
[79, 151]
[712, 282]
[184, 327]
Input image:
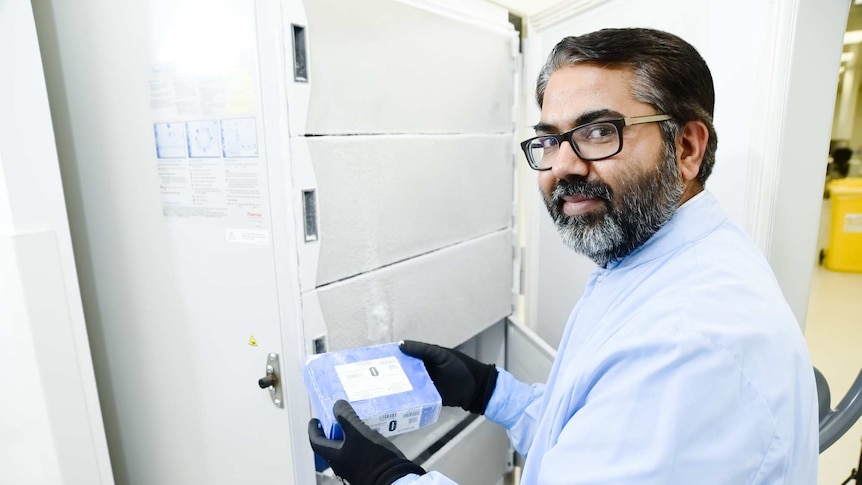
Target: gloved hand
[364, 457]
[460, 380]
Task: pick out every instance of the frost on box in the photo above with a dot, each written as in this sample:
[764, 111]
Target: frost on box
[390, 391]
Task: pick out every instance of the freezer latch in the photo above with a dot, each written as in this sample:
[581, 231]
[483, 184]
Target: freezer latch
[272, 381]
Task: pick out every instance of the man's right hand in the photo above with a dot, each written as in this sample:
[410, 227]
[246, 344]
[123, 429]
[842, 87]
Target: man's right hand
[461, 380]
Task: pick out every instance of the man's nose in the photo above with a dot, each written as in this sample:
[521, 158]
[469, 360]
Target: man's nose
[568, 163]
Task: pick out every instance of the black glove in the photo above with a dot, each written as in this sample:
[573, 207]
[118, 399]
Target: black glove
[460, 380]
[364, 457]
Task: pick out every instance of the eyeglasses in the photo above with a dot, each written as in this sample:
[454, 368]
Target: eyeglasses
[591, 141]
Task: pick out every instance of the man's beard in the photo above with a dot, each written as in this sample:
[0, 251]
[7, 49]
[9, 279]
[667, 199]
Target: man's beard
[644, 203]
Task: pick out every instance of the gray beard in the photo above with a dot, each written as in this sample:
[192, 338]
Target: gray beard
[643, 204]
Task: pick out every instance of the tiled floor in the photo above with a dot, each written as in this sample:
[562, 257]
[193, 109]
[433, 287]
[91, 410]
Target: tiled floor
[833, 331]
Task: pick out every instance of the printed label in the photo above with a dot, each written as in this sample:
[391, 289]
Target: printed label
[373, 378]
[247, 236]
[853, 223]
[396, 423]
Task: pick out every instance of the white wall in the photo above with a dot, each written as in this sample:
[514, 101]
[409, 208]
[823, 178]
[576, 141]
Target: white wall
[50, 424]
[795, 137]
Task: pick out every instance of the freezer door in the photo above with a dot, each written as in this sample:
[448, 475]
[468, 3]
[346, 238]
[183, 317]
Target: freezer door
[528, 357]
[168, 116]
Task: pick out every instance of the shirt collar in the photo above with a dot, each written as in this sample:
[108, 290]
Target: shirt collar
[694, 198]
[693, 220]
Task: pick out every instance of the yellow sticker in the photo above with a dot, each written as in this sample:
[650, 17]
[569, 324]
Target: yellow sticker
[252, 341]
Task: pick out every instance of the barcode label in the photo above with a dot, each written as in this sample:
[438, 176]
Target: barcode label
[396, 423]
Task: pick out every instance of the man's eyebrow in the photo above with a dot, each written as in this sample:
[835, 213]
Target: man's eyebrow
[590, 116]
[584, 118]
[541, 127]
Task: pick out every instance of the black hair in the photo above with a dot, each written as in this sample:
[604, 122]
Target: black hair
[669, 74]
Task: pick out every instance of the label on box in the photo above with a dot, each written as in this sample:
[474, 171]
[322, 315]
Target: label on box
[853, 223]
[373, 378]
[396, 423]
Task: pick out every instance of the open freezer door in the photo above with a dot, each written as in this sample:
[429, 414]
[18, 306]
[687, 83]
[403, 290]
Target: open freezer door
[528, 357]
[172, 156]
[402, 142]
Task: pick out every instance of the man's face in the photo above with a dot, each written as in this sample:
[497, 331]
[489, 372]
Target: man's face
[607, 208]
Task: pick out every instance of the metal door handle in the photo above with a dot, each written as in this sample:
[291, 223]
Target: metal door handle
[271, 380]
[268, 381]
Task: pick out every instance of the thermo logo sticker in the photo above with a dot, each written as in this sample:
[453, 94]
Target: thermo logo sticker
[373, 378]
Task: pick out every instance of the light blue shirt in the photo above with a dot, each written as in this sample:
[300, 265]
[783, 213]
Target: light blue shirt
[682, 363]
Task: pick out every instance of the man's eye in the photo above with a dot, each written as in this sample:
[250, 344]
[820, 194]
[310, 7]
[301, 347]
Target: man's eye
[548, 143]
[596, 133]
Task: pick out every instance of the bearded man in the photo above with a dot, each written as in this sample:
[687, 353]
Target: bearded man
[682, 362]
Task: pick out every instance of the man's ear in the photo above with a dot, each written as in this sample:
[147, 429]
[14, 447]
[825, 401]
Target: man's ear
[690, 148]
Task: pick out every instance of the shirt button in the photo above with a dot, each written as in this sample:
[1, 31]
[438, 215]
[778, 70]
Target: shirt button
[600, 278]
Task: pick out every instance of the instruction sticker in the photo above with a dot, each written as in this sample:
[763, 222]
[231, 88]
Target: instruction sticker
[396, 423]
[373, 378]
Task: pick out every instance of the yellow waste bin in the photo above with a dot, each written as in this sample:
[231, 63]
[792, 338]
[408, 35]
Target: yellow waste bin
[845, 237]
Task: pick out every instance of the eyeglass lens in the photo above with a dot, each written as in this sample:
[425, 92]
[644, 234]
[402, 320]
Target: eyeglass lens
[591, 142]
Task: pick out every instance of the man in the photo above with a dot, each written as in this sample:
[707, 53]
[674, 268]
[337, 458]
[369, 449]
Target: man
[682, 362]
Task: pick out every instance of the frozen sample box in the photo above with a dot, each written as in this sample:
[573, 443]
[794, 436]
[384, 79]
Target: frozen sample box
[390, 391]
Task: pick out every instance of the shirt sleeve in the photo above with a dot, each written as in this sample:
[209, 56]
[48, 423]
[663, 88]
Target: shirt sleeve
[645, 412]
[516, 406]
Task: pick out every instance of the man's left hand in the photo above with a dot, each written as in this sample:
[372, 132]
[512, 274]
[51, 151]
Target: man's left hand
[364, 456]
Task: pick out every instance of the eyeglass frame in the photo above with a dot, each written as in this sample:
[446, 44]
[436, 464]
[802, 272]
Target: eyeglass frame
[618, 123]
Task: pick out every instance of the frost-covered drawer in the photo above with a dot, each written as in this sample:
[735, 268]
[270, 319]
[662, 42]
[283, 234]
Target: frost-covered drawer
[382, 66]
[446, 297]
[384, 199]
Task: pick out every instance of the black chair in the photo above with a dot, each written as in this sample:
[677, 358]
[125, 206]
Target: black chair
[835, 422]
